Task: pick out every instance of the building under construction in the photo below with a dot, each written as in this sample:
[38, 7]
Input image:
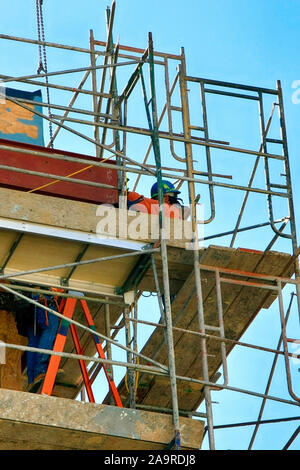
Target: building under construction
[150, 307]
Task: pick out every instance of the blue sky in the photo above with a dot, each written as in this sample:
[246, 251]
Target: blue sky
[254, 42]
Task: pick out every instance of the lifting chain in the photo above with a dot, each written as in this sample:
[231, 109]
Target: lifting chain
[42, 66]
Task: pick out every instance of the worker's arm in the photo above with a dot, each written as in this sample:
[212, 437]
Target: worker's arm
[132, 196]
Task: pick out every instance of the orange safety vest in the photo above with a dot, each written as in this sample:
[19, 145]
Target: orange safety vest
[151, 206]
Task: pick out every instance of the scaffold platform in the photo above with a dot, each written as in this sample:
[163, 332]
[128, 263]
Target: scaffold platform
[65, 225]
[55, 231]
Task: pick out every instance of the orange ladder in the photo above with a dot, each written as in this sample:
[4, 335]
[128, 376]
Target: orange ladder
[68, 307]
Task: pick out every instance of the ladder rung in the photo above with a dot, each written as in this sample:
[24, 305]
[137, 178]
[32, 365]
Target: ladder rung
[274, 141]
[280, 186]
[176, 108]
[213, 328]
[197, 128]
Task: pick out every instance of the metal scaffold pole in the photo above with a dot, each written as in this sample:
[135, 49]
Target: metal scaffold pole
[163, 246]
[289, 185]
[204, 293]
[195, 243]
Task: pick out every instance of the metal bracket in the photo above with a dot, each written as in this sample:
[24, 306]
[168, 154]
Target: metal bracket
[65, 280]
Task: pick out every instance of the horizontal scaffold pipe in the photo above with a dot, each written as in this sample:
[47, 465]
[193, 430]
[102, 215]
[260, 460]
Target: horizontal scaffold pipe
[58, 87]
[252, 423]
[52, 44]
[67, 179]
[89, 51]
[79, 134]
[266, 277]
[145, 171]
[143, 131]
[122, 47]
[239, 86]
[167, 136]
[243, 229]
[67, 158]
[79, 263]
[140, 367]
[217, 338]
[70, 109]
[68, 295]
[161, 409]
[66, 71]
[86, 328]
[147, 368]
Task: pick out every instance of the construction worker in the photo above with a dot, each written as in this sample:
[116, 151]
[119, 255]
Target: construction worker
[173, 205]
[40, 326]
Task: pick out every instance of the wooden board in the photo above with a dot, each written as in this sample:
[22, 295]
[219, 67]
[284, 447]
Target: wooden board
[35, 422]
[37, 252]
[86, 218]
[240, 306]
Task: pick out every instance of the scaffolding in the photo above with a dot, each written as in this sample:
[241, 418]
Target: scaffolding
[165, 129]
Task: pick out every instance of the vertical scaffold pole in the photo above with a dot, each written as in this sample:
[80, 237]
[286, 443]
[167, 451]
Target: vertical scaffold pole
[114, 93]
[163, 245]
[130, 373]
[94, 88]
[192, 197]
[108, 343]
[289, 186]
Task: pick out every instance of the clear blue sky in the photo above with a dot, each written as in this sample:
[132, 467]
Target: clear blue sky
[254, 42]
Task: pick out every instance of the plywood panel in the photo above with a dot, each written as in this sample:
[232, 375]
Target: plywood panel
[6, 241]
[37, 252]
[111, 273]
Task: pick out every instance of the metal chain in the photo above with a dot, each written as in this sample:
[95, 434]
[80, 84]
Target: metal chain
[42, 67]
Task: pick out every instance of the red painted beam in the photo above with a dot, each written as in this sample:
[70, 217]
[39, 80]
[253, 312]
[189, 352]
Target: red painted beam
[25, 182]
